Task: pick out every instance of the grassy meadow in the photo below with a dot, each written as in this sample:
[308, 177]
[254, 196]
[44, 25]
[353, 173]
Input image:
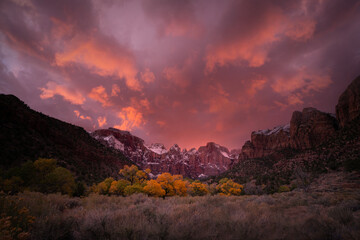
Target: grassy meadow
[290, 215]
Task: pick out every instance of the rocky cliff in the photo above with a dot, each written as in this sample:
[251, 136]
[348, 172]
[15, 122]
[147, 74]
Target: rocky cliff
[348, 107]
[310, 128]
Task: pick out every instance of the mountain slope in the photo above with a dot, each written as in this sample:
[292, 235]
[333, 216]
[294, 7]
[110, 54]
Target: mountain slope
[27, 135]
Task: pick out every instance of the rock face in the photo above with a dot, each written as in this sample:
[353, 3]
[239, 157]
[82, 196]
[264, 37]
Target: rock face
[311, 128]
[265, 142]
[208, 160]
[306, 130]
[348, 107]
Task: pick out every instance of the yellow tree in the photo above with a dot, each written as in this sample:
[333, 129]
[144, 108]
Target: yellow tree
[104, 186]
[166, 182]
[153, 188]
[180, 187]
[133, 174]
[118, 187]
[229, 187]
[198, 189]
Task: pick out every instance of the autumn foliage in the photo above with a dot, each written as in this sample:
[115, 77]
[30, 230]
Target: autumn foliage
[133, 180]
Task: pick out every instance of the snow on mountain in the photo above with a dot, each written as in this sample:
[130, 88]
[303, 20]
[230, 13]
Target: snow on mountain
[113, 142]
[285, 128]
[157, 148]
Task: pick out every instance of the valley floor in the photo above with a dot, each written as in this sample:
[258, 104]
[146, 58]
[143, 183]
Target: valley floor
[330, 210]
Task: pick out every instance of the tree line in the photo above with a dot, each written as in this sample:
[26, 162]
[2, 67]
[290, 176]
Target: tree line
[44, 175]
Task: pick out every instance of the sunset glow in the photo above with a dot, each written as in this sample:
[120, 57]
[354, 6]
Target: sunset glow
[185, 72]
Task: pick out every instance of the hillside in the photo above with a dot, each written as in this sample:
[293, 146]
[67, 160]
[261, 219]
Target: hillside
[28, 135]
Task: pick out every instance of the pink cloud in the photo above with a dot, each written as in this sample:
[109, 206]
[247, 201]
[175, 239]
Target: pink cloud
[250, 48]
[115, 90]
[101, 59]
[77, 113]
[131, 118]
[99, 94]
[148, 76]
[101, 121]
[70, 95]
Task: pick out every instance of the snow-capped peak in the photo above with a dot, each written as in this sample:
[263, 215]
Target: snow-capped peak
[285, 128]
[157, 148]
[113, 142]
[176, 148]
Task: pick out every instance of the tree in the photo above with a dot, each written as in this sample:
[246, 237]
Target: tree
[45, 165]
[104, 186]
[180, 187]
[135, 188]
[153, 188]
[229, 187]
[133, 174]
[118, 187]
[59, 180]
[166, 182]
[198, 189]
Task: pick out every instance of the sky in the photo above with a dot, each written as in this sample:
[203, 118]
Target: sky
[179, 71]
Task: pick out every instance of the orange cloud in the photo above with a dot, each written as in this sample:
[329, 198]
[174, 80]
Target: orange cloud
[53, 89]
[300, 85]
[251, 48]
[301, 30]
[102, 60]
[115, 90]
[256, 85]
[99, 94]
[77, 113]
[303, 80]
[161, 123]
[176, 76]
[148, 76]
[219, 100]
[101, 121]
[131, 118]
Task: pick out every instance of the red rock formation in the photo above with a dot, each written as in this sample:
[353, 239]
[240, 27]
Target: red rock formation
[307, 129]
[348, 107]
[265, 142]
[311, 128]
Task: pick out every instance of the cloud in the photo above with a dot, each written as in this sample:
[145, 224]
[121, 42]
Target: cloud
[99, 94]
[247, 42]
[69, 95]
[256, 85]
[101, 59]
[161, 123]
[131, 118]
[301, 30]
[303, 79]
[148, 76]
[115, 90]
[77, 113]
[173, 18]
[101, 121]
[176, 76]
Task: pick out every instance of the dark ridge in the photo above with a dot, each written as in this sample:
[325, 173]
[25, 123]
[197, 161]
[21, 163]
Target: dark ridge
[27, 135]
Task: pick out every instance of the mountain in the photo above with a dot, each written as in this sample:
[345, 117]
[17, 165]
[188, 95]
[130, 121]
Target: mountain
[208, 160]
[314, 142]
[348, 107]
[28, 135]
[307, 129]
